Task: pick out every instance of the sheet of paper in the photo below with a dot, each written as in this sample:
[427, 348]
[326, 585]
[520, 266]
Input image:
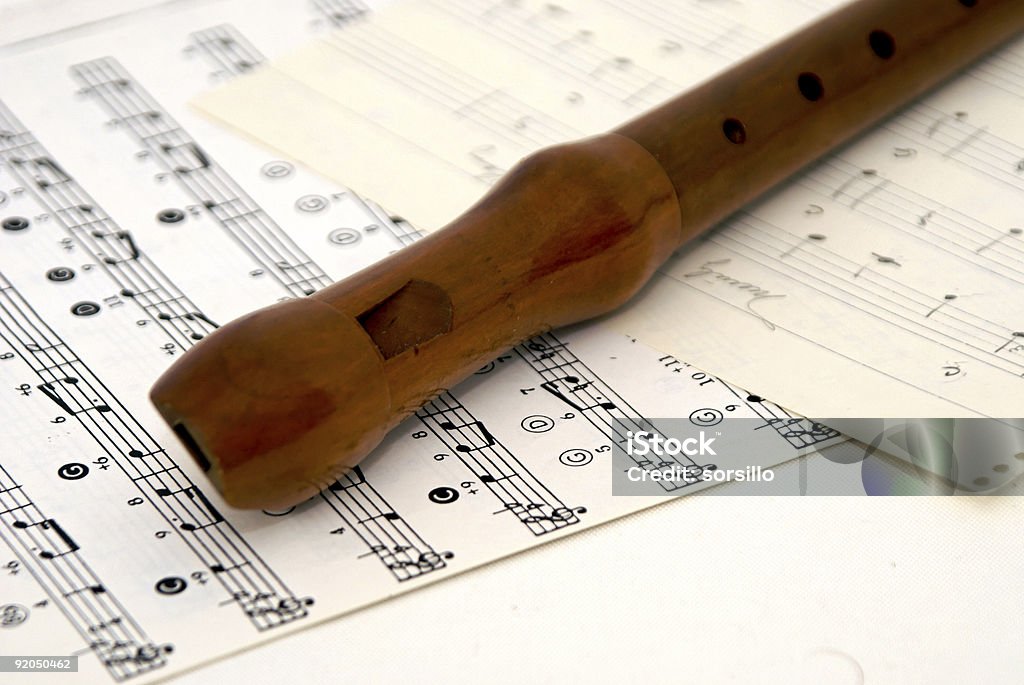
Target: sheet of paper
[39, 19]
[884, 281]
[129, 229]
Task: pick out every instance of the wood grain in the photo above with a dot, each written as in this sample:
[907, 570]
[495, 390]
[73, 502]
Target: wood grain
[280, 402]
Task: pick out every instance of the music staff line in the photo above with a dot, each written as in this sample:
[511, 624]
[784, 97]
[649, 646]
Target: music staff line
[923, 218]
[448, 86]
[106, 627]
[1003, 70]
[71, 385]
[490, 461]
[831, 349]
[388, 536]
[195, 169]
[570, 379]
[531, 502]
[574, 54]
[228, 51]
[728, 40]
[400, 229]
[955, 138]
[884, 287]
[95, 232]
[235, 55]
[797, 430]
[572, 382]
[340, 13]
[830, 273]
[359, 505]
[402, 234]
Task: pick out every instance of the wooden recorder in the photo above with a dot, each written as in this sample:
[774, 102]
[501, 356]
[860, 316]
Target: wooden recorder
[278, 403]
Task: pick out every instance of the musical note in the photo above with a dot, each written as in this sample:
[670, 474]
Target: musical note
[870, 177]
[47, 172]
[1016, 339]
[352, 478]
[800, 430]
[668, 46]
[543, 350]
[939, 121]
[539, 512]
[126, 238]
[122, 653]
[879, 258]
[50, 390]
[489, 170]
[574, 392]
[469, 436]
[188, 316]
[150, 114]
[202, 161]
[197, 497]
[945, 300]
[811, 237]
[1013, 232]
[616, 63]
[958, 121]
[952, 369]
[68, 544]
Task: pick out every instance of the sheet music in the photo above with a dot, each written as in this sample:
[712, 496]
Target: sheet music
[884, 281]
[131, 228]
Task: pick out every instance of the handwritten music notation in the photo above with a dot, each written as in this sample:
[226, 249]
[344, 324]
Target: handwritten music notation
[927, 219]
[836, 276]
[955, 136]
[125, 219]
[1003, 70]
[789, 267]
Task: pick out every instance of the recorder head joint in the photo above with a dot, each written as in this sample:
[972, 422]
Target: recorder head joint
[277, 404]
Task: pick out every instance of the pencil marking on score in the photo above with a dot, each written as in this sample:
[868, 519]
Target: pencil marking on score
[757, 292]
